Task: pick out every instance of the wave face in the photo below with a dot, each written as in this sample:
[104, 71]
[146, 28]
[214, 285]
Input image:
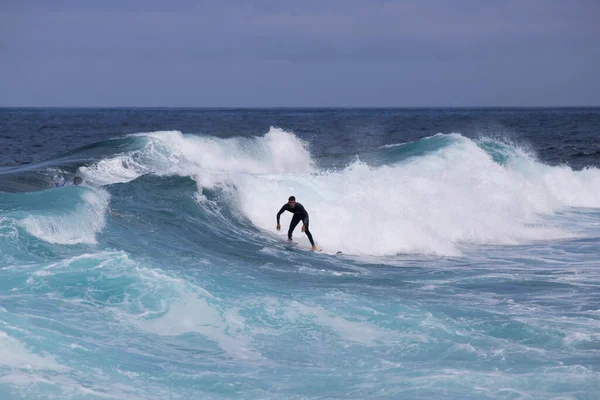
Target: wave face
[427, 197]
[452, 265]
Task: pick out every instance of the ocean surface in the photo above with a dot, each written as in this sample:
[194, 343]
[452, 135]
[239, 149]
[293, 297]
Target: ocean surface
[469, 264]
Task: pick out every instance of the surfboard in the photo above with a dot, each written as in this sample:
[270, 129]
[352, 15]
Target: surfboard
[319, 250]
[293, 245]
[297, 246]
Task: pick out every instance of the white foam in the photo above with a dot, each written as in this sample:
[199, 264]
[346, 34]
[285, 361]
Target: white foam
[77, 226]
[119, 169]
[193, 314]
[432, 204]
[210, 160]
[353, 331]
[183, 308]
[102, 259]
[16, 355]
[275, 152]
[30, 384]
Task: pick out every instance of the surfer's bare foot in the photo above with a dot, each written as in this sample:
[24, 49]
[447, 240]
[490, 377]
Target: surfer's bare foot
[314, 248]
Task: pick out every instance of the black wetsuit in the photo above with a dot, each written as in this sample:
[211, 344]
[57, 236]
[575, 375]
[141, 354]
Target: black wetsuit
[300, 214]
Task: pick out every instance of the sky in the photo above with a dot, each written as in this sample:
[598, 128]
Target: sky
[309, 53]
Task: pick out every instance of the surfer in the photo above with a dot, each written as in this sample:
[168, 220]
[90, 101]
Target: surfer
[300, 214]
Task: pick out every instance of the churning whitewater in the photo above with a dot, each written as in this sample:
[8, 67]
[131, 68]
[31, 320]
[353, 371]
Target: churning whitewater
[468, 269]
[455, 192]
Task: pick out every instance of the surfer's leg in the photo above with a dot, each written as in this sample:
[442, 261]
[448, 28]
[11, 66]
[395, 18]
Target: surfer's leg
[312, 242]
[293, 224]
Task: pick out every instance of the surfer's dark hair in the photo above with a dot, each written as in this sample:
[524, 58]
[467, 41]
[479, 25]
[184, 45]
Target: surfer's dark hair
[292, 198]
[77, 180]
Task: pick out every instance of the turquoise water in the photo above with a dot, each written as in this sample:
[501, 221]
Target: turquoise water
[469, 269]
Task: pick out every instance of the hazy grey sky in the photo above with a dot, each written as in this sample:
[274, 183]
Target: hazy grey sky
[300, 53]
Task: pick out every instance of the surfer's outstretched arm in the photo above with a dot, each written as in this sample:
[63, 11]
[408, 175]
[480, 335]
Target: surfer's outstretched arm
[285, 207]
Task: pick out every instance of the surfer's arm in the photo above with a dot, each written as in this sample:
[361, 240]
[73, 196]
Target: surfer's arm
[281, 212]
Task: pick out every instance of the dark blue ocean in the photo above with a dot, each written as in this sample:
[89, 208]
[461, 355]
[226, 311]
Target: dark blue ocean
[469, 264]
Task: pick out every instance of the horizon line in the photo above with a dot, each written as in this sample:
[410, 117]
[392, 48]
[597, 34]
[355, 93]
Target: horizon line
[297, 107]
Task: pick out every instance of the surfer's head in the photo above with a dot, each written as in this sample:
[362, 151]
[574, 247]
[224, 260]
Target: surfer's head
[292, 201]
[77, 181]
